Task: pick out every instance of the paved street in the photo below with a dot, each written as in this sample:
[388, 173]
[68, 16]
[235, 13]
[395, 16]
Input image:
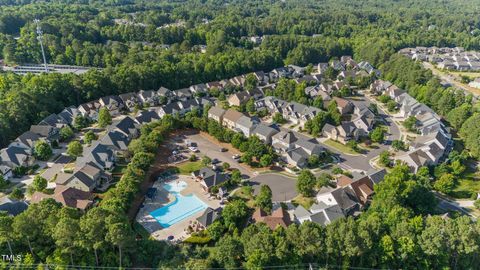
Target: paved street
[362, 161]
[283, 187]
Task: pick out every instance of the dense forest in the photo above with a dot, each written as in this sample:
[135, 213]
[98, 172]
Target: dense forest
[133, 57]
[127, 40]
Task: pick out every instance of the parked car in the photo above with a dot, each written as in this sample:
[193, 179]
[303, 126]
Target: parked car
[236, 156]
[193, 149]
[215, 161]
[223, 149]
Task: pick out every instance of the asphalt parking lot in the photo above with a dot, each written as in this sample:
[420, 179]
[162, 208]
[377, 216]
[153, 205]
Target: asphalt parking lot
[283, 188]
[212, 150]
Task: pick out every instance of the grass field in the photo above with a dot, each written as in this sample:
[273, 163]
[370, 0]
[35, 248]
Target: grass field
[340, 147]
[188, 167]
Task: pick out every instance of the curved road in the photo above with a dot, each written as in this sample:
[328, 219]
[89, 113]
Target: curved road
[362, 161]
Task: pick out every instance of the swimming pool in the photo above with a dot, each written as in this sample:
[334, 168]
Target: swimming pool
[181, 208]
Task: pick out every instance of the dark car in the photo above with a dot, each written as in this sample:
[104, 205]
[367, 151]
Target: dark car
[215, 161]
[223, 149]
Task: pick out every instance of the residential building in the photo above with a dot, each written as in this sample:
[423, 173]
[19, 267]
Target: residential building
[246, 125]
[183, 94]
[230, 118]
[344, 106]
[216, 113]
[99, 154]
[147, 116]
[14, 157]
[148, 98]
[50, 133]
[279, 217]
[376, 176]
[209, 216]
[5, 171]
[165, 92]
[68, 115]
[117, 141]
[297, 157]
[112, 103]
[27, 141]
[319, 213]
[89, 110]
[284, 141]
[265, 133]
[11, 207]
[130, 100]
[67, 196]
[342, 133]
[209, 178]
[238, 98]
[87, 178]
[415, 159]
[199, 89]
[127, 125]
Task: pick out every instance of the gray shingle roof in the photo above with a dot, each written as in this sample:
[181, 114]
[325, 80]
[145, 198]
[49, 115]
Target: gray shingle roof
[209, 216]
[147, 116]
[216, 111]
[301, 212]
[345, 198]
[13, 154]
[376, 175]
[127, 125]
[210, 177]
[12, 208]
[28, 138]
[116, 139]
[265, 130]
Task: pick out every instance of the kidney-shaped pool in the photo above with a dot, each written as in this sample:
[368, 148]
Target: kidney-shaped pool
[181, 208]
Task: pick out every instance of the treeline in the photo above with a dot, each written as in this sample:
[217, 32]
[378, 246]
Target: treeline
[457, 107]
[49, 233]
[26, 100]
[369, 29]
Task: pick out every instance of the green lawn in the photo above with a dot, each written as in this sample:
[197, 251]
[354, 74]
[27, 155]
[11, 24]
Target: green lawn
[303, 201]
[340, 147]
[119, 169]
[244, 194]
[188, 167]
[465, 188]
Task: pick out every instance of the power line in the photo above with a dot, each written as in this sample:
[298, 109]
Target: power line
[40, 39]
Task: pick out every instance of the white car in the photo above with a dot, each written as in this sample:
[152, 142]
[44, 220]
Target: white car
[237, 156]
[193, 149]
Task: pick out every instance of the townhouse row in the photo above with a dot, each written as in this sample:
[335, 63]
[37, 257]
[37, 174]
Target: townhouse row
[293, 147]
[445, 58]
[434, 141]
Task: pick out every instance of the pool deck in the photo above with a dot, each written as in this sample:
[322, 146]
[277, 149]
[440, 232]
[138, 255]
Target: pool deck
[162, 198]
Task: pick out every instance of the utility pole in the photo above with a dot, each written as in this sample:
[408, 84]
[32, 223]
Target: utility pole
[40, 39]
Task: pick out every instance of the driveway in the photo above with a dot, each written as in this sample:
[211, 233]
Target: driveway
[283, 187]
[212, 149]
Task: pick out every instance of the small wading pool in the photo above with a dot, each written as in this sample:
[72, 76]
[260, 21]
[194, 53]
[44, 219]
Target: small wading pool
[181, 208]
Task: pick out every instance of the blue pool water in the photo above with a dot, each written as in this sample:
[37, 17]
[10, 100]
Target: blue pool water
[181, 208]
